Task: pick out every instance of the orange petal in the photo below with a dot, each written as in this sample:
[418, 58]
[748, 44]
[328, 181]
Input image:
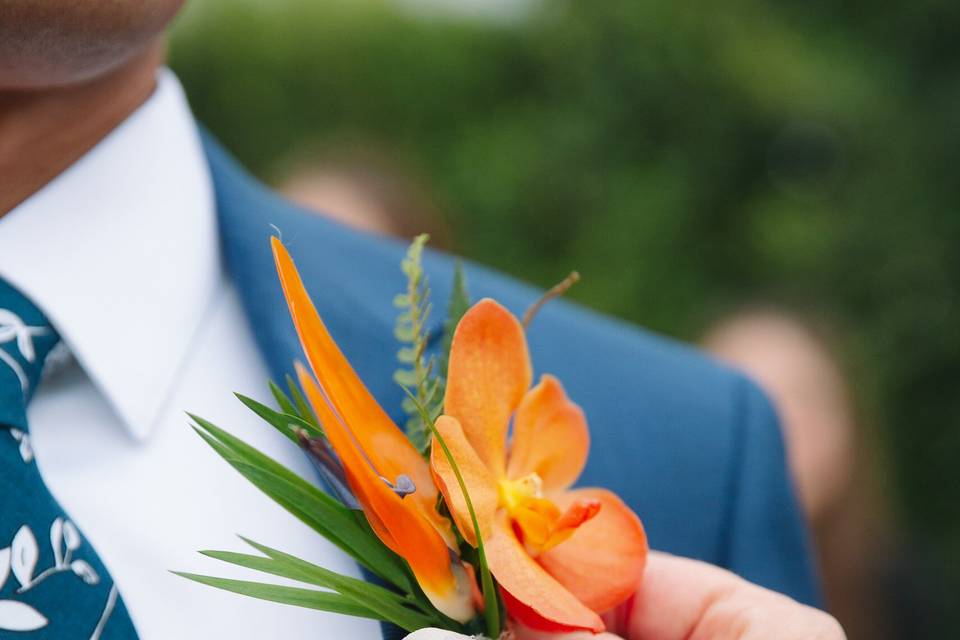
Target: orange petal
[488, 374]
[477, 595]
[550, 437]
[382, 441]
[612, 545]
[476, 477]
[396, 520]
[532, 596]
[577, 514]
[333, 426]
[543, 526]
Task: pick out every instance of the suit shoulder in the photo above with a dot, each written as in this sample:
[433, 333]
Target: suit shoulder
[604, 360]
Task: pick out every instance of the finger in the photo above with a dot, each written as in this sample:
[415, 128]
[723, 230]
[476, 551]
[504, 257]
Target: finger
[682, 599]
[674, 594]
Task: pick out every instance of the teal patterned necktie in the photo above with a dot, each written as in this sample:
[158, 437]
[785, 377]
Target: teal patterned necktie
[52, 584]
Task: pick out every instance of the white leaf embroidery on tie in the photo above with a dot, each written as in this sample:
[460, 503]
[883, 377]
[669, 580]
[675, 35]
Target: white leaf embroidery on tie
[71, 536]
[83, 569]
[107, 610]
[25, 553]
[21, 558]
[17, 616]
[26, 449]
[12, 328]
[56, 541]
[64, 540]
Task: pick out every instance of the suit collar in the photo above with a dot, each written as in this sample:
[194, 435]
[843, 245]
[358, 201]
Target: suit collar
[120, 252]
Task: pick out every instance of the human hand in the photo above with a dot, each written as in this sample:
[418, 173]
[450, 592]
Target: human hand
[684, 599]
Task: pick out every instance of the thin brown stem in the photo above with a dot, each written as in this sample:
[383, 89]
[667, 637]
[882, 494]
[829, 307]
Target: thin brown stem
[555, 291]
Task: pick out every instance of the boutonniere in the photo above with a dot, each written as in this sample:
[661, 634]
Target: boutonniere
[466, 517]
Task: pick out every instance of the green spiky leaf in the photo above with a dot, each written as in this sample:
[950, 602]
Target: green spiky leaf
[303, 409]
[283, 401]
[386, 604]
[326, 515]
[285, 423]
[294, 596]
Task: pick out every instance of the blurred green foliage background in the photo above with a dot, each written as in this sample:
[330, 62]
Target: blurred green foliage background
[686, 158]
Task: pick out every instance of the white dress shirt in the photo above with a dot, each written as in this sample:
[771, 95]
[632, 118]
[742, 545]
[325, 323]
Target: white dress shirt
[121, 252]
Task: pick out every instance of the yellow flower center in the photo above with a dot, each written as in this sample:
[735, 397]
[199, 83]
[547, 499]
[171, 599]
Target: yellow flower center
[534, 517]
[515, 492]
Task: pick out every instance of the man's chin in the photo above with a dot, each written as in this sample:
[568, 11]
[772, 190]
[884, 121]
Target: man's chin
[58, 43]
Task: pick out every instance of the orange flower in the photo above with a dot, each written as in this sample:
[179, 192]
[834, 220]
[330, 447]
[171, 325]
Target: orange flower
[560, 556]
[378, 460]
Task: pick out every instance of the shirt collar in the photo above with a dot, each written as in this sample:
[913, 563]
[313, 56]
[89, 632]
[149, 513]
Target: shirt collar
[120, 251]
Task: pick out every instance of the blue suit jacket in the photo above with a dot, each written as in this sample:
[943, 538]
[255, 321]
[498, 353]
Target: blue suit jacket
[692, 447]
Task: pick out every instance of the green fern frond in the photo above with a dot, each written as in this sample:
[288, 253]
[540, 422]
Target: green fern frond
[423, 374]
[417, 370]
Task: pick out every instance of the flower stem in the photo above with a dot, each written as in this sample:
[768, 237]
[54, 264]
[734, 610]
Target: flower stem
[555, 291]
[491, 611]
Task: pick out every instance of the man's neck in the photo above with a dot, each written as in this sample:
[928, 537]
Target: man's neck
[43, 132]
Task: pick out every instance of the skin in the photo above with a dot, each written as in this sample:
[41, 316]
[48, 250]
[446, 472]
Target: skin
[70, 72]
[809, 391]
[684, 599]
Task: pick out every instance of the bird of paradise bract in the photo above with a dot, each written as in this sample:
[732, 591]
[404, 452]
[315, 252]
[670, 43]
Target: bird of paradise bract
[376, 456]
